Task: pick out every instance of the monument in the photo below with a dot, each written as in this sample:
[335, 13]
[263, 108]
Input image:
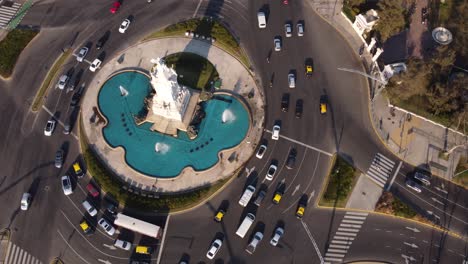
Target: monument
[171, 106]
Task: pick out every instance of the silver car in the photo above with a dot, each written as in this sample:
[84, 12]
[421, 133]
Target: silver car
[413, 185]
[66, 185]
[82, 54]
[292, 80]
[59, 159]
[288, 30]
[110, 230]
[277, 43]
[63, 80]
[276, 236]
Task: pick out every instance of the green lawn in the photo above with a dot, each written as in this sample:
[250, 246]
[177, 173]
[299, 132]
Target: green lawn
[11, 47]
[193, 70]
[340, 184]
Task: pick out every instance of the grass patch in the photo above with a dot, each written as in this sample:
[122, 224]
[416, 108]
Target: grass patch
[112, 185]
[402, 209]
[11, 47]
[349, 12]
[206, 27]
[37, 103]
[340, 184]
[388, 204]
[445, 11]
[193, 70]
[461, 172]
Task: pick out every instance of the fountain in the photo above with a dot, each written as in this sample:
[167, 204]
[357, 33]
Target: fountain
[161, 148]
[228, 116]
[123, 91]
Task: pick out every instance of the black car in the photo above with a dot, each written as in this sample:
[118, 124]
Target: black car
[291, 159]
[100, 43]
[75, 99]
[299, 107]
[285, 102]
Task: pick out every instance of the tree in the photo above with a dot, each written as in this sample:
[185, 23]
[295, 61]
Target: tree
[442, 61]
[354, 3]
[391, 18]
[442, 99]
[412, 82]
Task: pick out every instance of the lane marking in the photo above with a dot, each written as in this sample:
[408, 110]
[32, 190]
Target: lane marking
[313, 241]
[394, 176]
[163, 239]
[69, 246]
[196, 10]
[303, 144]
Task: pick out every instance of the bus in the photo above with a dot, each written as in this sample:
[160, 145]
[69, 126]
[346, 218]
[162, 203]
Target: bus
[138, 226]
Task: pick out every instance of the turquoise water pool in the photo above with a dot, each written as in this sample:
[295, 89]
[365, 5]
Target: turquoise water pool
[174, 154]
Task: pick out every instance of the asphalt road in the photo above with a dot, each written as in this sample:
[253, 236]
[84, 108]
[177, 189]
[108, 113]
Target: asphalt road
[27, 156]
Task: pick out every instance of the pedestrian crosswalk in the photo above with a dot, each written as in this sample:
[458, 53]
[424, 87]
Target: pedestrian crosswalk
[380, 169]
[7, 13]
[16, 255]
[344, 236]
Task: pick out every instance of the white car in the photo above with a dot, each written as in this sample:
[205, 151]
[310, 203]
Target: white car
[122, 244]
[25, 201]
[276, 132]
[276, 237]
[261, 151]
[110, 230]
[254, 243]
[124, 26]
[215, 246]
[271, 172]
[82, 54]
[89, 208]
[66, 185]
[292, 80]
[49, 128]
[300, 29]
[95, 65]
[288, 30]
[277, 43]
[63, 80]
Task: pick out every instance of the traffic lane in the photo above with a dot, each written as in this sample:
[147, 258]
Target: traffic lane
[403, 238]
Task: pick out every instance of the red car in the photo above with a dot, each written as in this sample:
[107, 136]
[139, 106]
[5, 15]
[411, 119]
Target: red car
[285, 2]
[92, 190]
[115, 7]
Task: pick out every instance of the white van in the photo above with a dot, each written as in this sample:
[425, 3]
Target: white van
[261, 20]
[245, 226]
[247, 195]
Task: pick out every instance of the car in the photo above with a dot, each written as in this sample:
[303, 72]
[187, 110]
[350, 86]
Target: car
[285, 102]
[82, 54]
[261, 195]
[261, 151]
[110, 230]
[271, 172]
[300, 210]
[63, 80]
[89, 208]
[75, 99]
[50, 127]
[59, 158]
[92, 190]
[300, 29]
[115, 7]
[66, 127]
[299, 108]
[309, 69]
[100, 43]
[122, 244]
[124, 26]
[277, 43]
[86, 227]
[291, 80]
[276, 132]
[285, 2]
[277, 197]
[423, 178]
[254, 243]
[77, 170]
[95, 65]
[219, 215]
[279, 231]
[215, 246]
[413, 185]
[291, 161]
[25, 201]
[111, 208]
[288, 30]
[323, 105]
[66, 185]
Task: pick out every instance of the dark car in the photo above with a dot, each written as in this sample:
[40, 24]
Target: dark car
[285, 102]
[75, 99]
[299, 107]
[291, 161]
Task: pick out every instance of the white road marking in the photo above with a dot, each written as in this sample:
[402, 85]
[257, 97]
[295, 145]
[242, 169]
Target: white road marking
[296, 189]
[437, 201]
[441, 190]
[111, 247]
[356, 213]
[411, 245]
[303, 144]
[312, 240]
[163, 239]
[105, 261]
[414, 229]
[69, 246]
[196, 10]
[312, 194]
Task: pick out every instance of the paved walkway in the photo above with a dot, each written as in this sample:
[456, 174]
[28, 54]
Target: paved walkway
[235, 77]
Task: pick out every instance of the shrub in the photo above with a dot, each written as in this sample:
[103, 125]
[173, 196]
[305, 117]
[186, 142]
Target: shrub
[11, 48]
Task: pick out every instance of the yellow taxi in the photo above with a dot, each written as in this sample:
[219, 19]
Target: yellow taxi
[219, 215]
[143, 250]
[77, 169]
[309, 70]
[277, 197]
[323, 105]
[86, 227]
[300, 210]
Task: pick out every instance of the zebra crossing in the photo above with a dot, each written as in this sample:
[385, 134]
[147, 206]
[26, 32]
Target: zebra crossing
[7, 13]
[16, 255]
[344, 236]
[380, 169]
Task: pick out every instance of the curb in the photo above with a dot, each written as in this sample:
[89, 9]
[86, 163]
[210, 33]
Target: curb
[326, 180]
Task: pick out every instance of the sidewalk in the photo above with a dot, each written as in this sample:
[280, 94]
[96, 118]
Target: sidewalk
[236, 78]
